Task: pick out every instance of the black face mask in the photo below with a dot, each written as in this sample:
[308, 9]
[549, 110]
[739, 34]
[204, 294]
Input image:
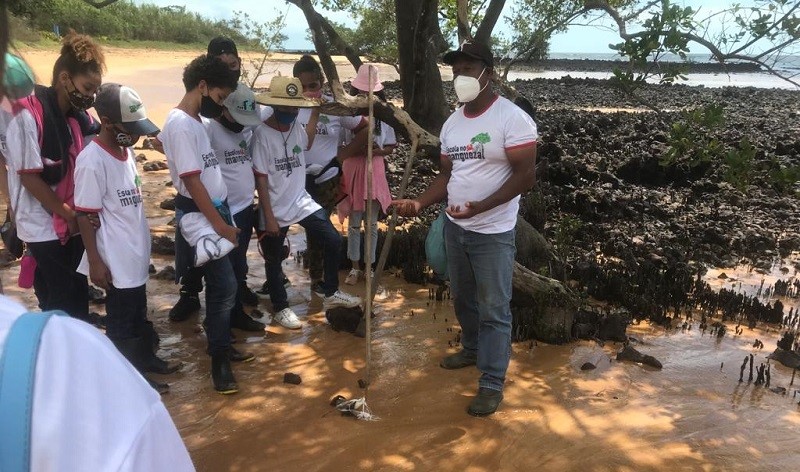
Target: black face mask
[78, 100]
[237, 73]
[230, 125]
[209, 108]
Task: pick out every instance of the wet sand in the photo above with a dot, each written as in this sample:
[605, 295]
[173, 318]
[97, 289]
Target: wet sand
[620, 417]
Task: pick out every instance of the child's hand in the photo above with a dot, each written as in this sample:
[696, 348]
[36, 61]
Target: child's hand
[231, 233]
[99, 274]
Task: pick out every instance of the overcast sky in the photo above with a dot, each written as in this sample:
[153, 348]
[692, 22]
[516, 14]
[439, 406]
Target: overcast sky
[579, 39]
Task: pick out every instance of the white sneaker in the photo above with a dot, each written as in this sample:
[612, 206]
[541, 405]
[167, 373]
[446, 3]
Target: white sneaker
[288, 319]
[340, 299]
[353, 276]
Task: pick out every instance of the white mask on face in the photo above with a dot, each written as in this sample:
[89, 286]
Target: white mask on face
[468, 88]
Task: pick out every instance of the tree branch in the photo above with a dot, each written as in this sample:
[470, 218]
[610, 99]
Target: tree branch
[337, 42]
[484, 32]
[462, 20]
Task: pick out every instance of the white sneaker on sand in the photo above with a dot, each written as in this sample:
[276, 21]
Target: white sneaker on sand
[288, 319]
[340, 299]
[353, 276]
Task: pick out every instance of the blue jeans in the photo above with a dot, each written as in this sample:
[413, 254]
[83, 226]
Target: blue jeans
[319, 227]
[221, 287]
[481, 267]
[354, 233]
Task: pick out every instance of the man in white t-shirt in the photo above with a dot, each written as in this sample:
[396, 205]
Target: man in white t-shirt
[197, 176]
[117, 254]
[488, 160]
[279, 164]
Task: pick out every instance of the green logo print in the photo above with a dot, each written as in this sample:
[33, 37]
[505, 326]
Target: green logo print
[135, 107]
[243, 144]
[482, 138]
[297, 149]
[324, 119]
[138, 182]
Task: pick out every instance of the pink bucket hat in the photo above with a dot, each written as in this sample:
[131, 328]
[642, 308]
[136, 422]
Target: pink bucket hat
[361, 82]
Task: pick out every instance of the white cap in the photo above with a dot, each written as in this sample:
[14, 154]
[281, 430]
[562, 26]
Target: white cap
[243, 107]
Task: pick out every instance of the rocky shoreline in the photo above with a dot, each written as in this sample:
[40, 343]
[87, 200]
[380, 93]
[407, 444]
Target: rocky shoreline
[601, 65]
[637, 233]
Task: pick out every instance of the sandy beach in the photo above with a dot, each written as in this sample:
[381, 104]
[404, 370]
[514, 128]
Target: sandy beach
[692, 415]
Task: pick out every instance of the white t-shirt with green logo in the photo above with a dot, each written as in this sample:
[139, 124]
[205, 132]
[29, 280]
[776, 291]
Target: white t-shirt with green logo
[280, 156]
[189, 152]
[477, 148]
[108, 184]
[235, 162]
[330, 133]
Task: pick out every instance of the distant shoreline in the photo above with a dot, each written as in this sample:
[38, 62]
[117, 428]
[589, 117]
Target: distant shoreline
[604, 65]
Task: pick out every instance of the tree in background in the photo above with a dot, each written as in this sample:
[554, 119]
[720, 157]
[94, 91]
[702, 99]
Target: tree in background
[263, 38]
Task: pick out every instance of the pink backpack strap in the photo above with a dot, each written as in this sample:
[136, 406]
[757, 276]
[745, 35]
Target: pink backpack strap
[34, 106]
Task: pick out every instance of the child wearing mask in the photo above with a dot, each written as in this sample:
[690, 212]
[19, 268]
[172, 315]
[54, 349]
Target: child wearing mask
[117, 254]
[279, 164]
[195, 171]
[354, 180]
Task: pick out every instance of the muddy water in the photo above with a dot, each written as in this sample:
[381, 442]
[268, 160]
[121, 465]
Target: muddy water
[692, 415]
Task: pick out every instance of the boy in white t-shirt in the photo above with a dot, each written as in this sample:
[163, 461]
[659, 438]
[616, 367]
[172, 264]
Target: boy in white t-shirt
[279, 165]
[196, 174]
[488, 160]
[117, 253]
[324, 156]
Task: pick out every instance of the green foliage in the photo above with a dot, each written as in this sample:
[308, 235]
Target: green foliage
[785, 180]
[739, 164]
[375, 35]
[262, 38]
[125, 21]
[564, 235]
[692, 141]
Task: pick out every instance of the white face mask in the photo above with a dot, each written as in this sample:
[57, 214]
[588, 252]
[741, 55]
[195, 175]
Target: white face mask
[468, 88]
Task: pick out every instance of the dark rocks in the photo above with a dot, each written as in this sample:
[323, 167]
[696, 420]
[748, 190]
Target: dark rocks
[628, 353]
[588, 366]
[345, 319]
[790, 359]
[141, 158]
[293, 379]
[151, 269]
[168, 204]
[167, 273]
[155, 166]
[163, 245]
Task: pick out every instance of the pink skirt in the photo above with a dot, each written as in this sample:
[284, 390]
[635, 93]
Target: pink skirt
[354, 185]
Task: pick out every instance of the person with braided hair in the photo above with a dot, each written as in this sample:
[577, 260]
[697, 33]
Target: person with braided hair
[49, 129]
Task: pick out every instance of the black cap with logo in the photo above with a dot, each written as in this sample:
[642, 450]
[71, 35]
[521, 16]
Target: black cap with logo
[473, 50]
[222, 45]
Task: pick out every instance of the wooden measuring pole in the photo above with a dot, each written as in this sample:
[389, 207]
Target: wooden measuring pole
[368, 242]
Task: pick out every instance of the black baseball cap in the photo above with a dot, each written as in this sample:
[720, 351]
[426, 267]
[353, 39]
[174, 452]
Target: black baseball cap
[472, 50]
[222, 45]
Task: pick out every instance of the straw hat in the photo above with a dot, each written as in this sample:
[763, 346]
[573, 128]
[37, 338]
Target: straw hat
[362, 82]
[286, 91]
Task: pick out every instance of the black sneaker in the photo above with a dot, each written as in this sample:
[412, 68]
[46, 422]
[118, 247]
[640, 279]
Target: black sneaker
[263, 292]
[247, 296]
[486, 402]
[188, 304]
[458, 360]
[244, 322]
[238, 356]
